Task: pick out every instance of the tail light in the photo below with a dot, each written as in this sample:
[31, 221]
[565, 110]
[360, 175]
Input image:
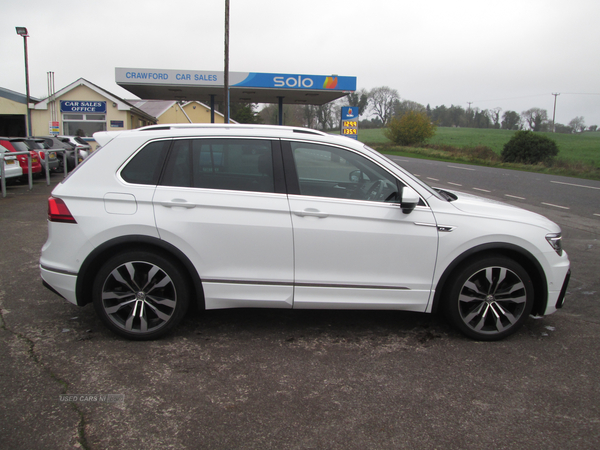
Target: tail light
[58, 211]
[42, 155]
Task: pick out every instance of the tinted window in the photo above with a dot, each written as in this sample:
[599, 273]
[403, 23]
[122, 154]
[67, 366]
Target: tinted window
[146, 165]
[325, 171]
[231, 164]
[20, 146]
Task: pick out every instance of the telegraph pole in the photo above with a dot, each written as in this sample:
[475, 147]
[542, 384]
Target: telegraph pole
[554, 113]
[226, 71]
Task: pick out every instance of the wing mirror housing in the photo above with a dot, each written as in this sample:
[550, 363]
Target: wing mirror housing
[410, 199]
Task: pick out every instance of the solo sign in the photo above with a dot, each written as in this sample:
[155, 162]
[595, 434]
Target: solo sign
[349, 125]
[77, 106]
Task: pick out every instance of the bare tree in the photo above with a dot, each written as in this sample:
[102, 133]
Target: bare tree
[359, 99]
[310, 115]
[324, 114]
[578, 124]
[536, 118]
[382, 102]
[494, 115]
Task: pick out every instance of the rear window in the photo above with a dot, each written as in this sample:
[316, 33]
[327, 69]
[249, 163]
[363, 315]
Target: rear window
[230, 164]
[20, 146]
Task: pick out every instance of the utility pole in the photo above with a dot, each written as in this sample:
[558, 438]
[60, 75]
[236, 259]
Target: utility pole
[22, 31]
[226, 71]
[554, 113]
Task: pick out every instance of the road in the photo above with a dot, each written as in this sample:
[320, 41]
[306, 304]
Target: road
[270, 379]
[577, 196]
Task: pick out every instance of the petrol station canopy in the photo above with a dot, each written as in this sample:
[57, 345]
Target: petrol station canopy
[246, 87]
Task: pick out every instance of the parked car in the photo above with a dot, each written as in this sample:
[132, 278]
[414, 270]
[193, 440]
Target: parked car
[12, 168]
[70, 149]
[19, 145]
[84, 148]
[39, 145]
[280, 217]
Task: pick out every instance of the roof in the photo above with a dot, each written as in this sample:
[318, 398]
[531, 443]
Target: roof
[16, 96]
[122, 105]
[158, 107]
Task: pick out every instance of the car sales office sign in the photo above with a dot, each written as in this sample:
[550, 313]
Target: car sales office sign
[77, 106]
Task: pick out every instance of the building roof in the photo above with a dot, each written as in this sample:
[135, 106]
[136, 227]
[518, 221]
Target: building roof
[122, 105]
[16, 96]
[157, 108]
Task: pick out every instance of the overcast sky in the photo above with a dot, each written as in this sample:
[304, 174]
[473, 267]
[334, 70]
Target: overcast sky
[511, 54]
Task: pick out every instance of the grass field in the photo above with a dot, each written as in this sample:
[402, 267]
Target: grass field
[576, 148]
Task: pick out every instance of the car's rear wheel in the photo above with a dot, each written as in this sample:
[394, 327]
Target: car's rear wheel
[490, 298]
[140, 295]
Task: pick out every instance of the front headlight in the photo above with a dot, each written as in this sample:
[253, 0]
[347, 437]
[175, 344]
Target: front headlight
[555, 240]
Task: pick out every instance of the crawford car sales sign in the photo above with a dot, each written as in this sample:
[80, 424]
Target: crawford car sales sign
[76, 106]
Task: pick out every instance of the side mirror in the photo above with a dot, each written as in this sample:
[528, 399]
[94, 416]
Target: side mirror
[410, 199]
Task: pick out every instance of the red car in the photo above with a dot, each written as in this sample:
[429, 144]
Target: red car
[19, 145]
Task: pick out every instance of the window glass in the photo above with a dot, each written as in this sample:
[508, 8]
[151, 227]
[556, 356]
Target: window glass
[145, 166]
[231, 164]
[83, 124]
[20, 146]
[325, 171]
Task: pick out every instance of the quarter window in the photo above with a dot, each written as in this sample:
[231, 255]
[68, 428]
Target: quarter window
[145, 166]
[325, 171]
[230, 164]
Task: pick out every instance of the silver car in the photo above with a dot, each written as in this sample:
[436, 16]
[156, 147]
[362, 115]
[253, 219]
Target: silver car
[49, 158]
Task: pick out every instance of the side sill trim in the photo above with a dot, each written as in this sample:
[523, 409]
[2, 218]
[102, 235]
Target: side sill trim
[310, 285]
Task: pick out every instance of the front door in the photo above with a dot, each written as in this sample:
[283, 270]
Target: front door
[354, 247]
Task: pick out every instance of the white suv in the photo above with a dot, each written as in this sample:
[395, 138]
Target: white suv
[232, 216]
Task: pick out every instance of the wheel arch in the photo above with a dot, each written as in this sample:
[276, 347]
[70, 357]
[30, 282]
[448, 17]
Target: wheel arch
[518, 254]
[93, 262]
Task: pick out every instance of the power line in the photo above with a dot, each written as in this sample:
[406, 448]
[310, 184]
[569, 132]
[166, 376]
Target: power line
[532, 96]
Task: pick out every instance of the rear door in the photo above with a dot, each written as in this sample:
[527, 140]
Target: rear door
[222, 201]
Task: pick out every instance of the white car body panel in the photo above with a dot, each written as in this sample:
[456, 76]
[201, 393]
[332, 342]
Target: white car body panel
[361, 245]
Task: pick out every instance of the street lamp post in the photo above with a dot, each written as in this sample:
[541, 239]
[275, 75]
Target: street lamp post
[22, 31]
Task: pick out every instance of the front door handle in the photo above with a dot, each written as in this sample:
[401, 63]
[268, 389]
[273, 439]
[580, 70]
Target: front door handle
[311, 212]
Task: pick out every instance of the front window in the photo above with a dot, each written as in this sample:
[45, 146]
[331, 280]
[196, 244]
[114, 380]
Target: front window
[325, 171]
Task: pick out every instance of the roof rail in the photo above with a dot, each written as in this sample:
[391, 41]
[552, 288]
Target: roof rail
[175, 126]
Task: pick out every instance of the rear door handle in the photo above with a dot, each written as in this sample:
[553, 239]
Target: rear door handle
[178, 203]
[311, 212]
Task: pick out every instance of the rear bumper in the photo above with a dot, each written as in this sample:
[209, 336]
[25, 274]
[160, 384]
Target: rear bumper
[60, 283]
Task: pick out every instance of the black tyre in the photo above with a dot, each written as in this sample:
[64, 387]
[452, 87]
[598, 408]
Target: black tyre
[490, 298]
[140, 295]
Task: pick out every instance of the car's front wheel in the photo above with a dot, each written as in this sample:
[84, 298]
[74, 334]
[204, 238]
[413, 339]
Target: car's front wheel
[140, 295]
[490, 298]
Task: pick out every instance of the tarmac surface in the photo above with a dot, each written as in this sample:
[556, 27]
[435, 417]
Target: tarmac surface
[270, 379]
